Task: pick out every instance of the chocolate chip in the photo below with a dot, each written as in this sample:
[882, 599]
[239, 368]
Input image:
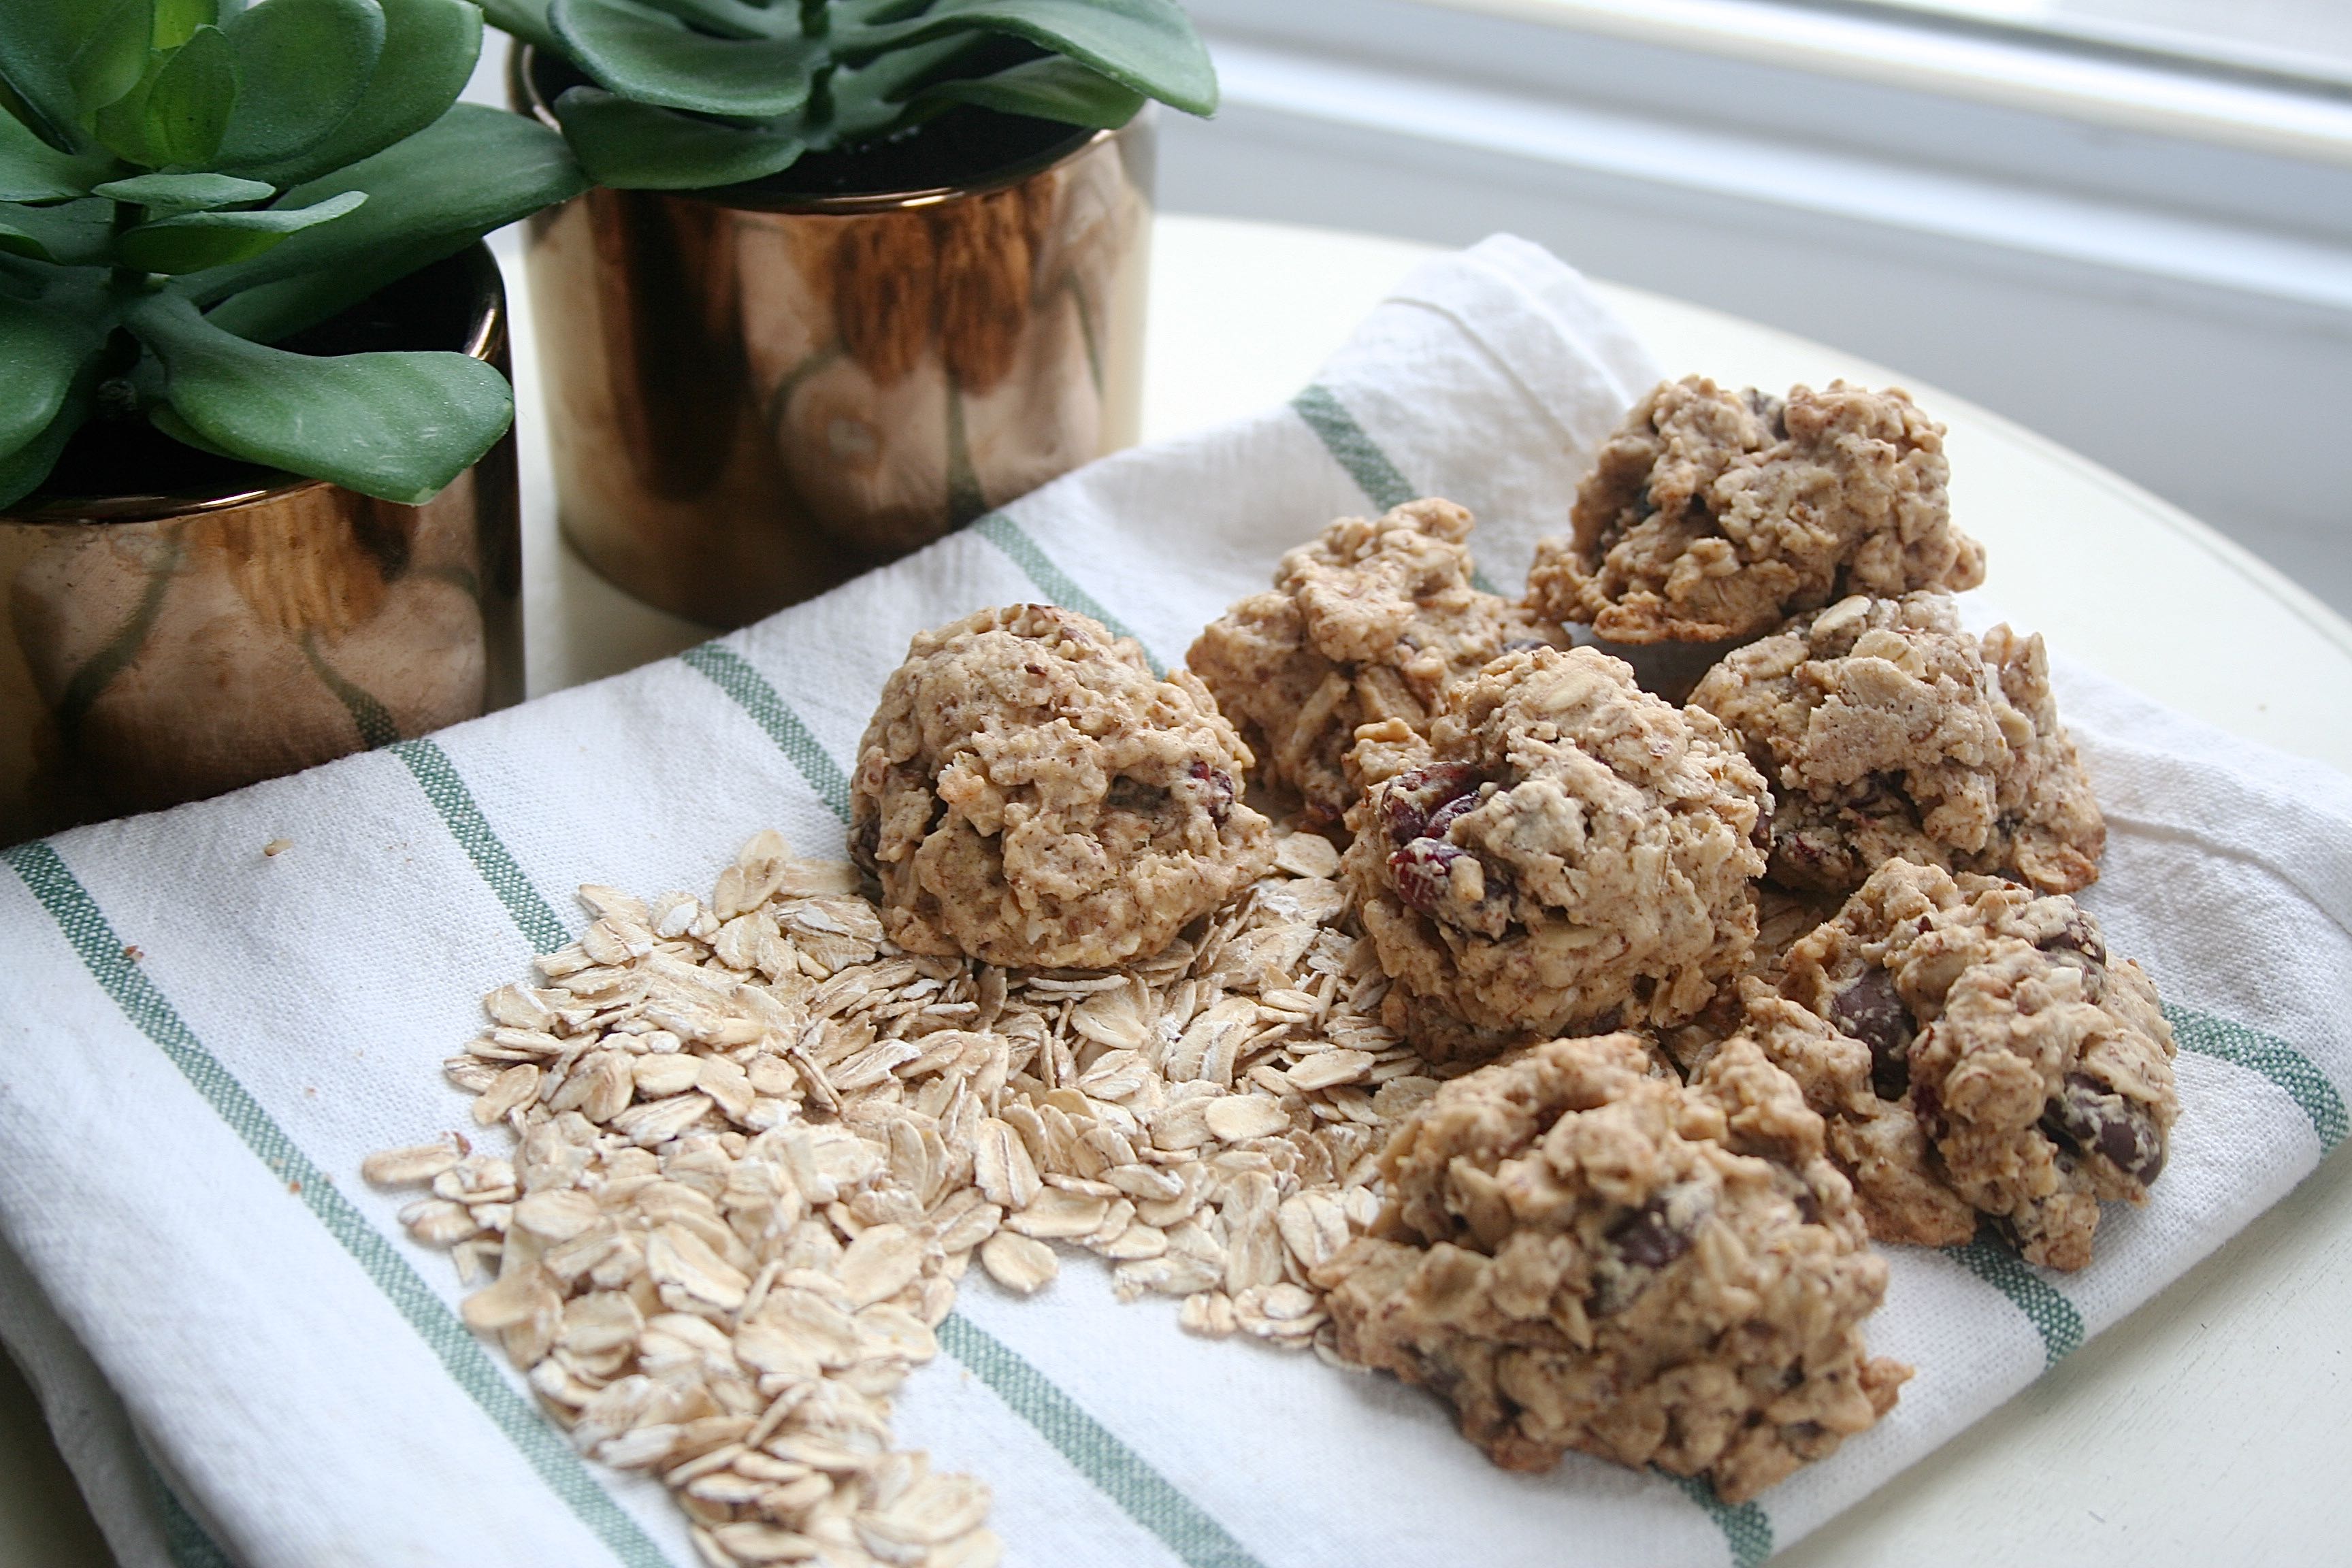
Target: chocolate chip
[2078, 945]
[1220, 791]
[1422, 871]
[1414, 794]
[1646, 1238]
[1809, 1207]
[2087, 1116]
[1870, 1009]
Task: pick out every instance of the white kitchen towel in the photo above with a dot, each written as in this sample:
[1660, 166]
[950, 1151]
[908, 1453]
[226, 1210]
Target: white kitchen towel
[199, 1043]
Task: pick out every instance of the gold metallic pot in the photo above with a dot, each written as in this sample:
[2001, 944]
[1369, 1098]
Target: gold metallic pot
[174, 625]
[756, 393]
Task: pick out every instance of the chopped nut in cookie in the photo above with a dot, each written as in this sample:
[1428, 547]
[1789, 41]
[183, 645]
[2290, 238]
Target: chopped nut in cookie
[1370, 623]
[1977, 1051]
[1031, 795]
[1574, 854]
[1888, 730]
[1577, 1251]
[1714, 514]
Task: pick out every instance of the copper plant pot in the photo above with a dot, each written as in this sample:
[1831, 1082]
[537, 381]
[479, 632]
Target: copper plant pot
[756, 393]
[175, 625]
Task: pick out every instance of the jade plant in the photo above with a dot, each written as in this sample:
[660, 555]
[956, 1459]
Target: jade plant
[186, 182]
[692, 94]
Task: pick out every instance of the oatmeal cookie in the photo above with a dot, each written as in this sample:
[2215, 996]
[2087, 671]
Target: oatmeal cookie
[1887, 731]
[1575, 854]
[1030, 793]
[1369, 623]
[1578, 1252]
[1716, 515]
[1976, 1051]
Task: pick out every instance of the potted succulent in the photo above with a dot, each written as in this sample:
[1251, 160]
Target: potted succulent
[858, 270]
[255, 506]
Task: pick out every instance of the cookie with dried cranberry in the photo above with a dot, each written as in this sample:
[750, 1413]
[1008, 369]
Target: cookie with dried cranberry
[1368, 623]
[1030, 793]
[1577, 1251]
[1713, 515]
[1888, 730]
[1575, 854]
[1977, 1051]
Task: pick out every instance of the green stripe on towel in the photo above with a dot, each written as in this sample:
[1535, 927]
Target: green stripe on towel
[184, 1540]
[2269, 1055]
[1123, 1475]
[103, 953]
[2045, 1307]
[471, 830]
[732, 674]
[1058, 587]
[1382, 482]
[1747, 1529]
[1351, 448]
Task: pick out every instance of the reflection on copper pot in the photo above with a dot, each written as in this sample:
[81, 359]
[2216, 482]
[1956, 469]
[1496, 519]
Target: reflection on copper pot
[748, 405]
[158, 649]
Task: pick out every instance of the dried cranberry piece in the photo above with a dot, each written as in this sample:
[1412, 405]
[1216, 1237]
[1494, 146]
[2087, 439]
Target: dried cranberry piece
[1422, 870]
[1870, 1009]
[1445, 815]
[1414, 794]
[1220, 791]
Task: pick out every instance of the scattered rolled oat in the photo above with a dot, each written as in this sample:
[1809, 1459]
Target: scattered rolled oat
[758, 1145]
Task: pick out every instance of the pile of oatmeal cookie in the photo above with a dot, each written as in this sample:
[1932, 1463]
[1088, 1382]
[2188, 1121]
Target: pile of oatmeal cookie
[1402, 980]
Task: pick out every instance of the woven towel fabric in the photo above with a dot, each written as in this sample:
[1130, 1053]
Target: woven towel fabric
[248, 1362]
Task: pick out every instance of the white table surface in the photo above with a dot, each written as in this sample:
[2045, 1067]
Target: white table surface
[2208, 1427]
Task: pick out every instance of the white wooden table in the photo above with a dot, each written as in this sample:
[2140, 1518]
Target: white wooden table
[2209, 1426]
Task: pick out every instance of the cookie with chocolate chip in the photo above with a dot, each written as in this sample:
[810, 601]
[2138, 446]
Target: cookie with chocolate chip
[1572, 854]
[1888, 730]
[1368, 623]
[1977, 1051]
[1713, 515]
[1030, 793]
[1577, 1251]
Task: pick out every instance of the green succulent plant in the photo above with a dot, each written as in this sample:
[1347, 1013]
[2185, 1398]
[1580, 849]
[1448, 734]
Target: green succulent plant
[691, 94]
[185, 182]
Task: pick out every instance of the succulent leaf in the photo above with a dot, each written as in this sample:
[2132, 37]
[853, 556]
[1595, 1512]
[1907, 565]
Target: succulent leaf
[41, 351]
[1051, 88]
[73, 234]
[302, 67]
[65, 59]
[398, 426]
[195, 241]
[1147, 45]
[637, 146]
[175, 21]
[33, 171]
[414, 213]
[168, 195]
[429, 50]
[652, 57]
